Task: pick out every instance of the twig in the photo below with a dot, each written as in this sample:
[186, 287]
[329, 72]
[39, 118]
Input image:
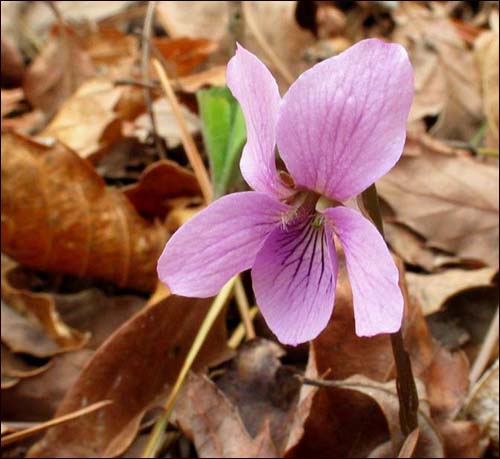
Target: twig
[244, 308]
[162, 422]
[259, 37]
[405, 382]
[187, 140]
[22, 434]
[146, 78]
[489, 343]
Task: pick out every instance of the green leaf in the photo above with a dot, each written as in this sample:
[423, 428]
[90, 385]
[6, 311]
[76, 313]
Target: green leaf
[224, 135]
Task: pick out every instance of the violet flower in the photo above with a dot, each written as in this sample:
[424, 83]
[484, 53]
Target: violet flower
[339, 128]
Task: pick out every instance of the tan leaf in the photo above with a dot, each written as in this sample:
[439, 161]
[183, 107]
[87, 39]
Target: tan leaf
[215, 425]
[214, 76]
[87, 122]
[431, 291]
[486, 49]
[159, 182]
[57, 71]
[30, 322]
[133, 368]
[58, 216]
[447, 82]
[482, 405]
[451, 201]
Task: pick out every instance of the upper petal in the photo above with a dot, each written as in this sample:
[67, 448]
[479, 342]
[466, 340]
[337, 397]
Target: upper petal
[373, 275]
[294, 277]
[219, 242]
[342, 124]
[257, 92]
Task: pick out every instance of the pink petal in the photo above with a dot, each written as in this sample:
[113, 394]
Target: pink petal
[294, 277]
[219, 242]
[257, 92]
[378, 301]
[342, 124]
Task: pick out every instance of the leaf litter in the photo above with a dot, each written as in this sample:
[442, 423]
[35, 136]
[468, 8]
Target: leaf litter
[88, 203]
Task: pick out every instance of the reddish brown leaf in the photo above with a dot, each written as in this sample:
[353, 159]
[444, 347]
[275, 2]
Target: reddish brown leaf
[58, 215]
[133, 368]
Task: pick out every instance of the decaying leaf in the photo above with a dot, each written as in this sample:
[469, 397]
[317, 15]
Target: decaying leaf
[134, 368]
[263, 389]
[447, 82]
[57, 71]
[482, 405]
[12, 69]
[15, 366]
[215, 425]
[431, 291]
[75, 226]
[487, 50]
[159, 182]
[30, 321]
[451, 201]
[87, 122]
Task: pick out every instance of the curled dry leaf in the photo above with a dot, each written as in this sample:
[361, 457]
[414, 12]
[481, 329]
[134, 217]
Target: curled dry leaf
[12, 69]
[87, 121]
[57, 71]
[134, 368]
[159, 182]
[30, 321]
[16, 367]
[482, 405]
[451, 201]
[58, 216]
[486, 48]
[431, 291]
[215, 425]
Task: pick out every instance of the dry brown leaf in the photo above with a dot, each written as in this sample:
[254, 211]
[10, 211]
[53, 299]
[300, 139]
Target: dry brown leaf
[431, 291]
[87, 122]
[57, 71]
[159, 182]
[15, 366]
[37, 398]
[32, 323]
[451, 201]
[215, 76]
[182, 210]
[486, 49]
[263, 390]
[463, 439]
[58, 216]
[168, 128]
[12, 69]
[215, 426]
[482, 405]
[11, 100]
[133, 368]
[446, 79]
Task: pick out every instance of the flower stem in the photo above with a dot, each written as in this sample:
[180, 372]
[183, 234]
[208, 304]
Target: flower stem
[405, 382]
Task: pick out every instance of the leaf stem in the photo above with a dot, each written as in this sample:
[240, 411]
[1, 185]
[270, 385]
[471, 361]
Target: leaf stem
[405, 382]
[162, 422]
[244, 308]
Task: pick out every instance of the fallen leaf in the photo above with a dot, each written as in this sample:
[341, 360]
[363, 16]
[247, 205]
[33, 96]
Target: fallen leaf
[486, 49]
[15, 366]
[57, 71]
[11, 100]
[447, 82]
[482, 405]
[214, 76]
[215, 426]
[12, 69]
[32, 323]
[450, 201]
[36, 398]
[408, 448]
[184, 54]
[263, 389]
[159, 182]
[87, 122]
[58, 216]
[431, 291]
[463, 438]
[166, 122]
[134, 368]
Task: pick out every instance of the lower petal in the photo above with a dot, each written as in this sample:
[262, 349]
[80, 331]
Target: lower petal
[294, 277]
[374, 277]
[218, 243]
